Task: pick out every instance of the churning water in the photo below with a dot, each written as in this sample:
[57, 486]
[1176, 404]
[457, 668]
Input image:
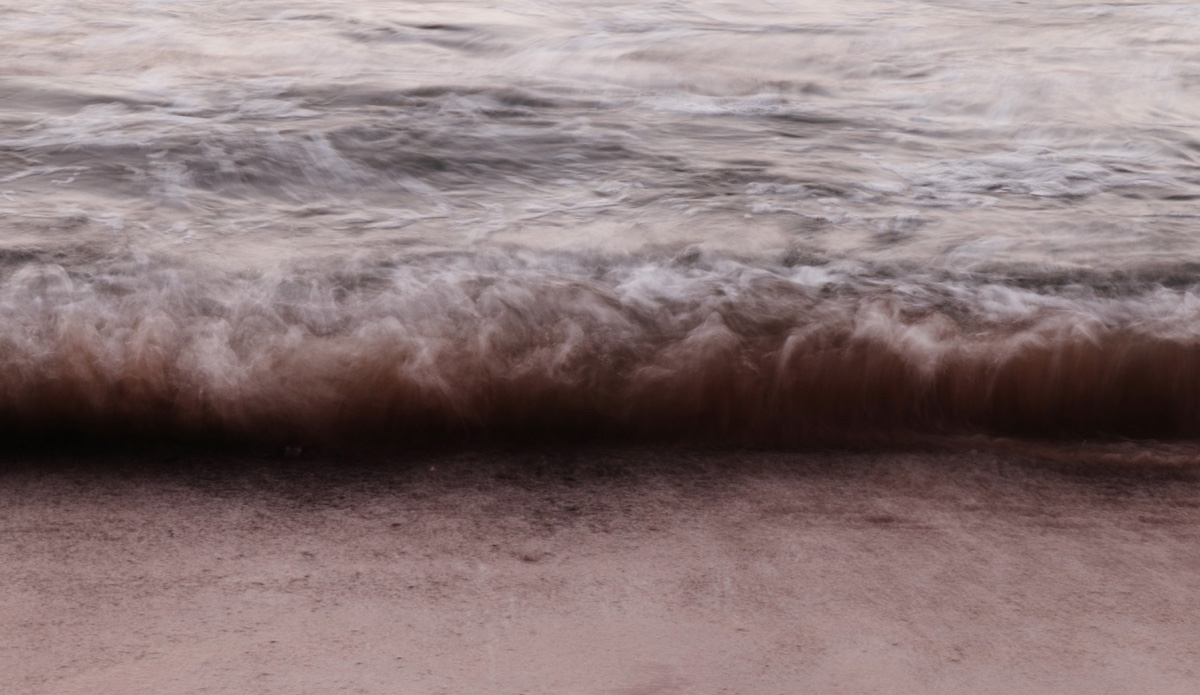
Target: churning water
[751, 221]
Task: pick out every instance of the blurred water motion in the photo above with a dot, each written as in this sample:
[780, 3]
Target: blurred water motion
[751, 221]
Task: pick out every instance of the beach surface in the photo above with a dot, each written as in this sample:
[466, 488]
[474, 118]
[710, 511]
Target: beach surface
[634, 571]
[702, 241]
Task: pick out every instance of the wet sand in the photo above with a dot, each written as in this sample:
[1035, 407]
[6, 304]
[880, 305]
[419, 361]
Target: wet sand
[631, 572]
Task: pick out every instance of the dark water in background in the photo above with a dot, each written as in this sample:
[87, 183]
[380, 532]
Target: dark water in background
[746, 222]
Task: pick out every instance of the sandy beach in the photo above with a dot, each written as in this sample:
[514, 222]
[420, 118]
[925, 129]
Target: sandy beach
[631, 572]
[601, 285]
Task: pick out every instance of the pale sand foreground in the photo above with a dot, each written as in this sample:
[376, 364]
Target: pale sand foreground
[629, 572]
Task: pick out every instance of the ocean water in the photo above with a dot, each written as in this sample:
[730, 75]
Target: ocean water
[739, 222]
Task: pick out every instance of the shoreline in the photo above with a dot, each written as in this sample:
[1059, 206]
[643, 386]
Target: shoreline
[593, 571]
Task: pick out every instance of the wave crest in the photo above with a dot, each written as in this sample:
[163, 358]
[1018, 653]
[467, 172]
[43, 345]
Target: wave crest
[711, 349]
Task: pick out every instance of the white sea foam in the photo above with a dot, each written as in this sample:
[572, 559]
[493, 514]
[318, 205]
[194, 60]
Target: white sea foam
[666, 218]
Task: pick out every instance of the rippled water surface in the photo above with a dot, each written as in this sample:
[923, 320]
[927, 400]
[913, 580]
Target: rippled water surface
[757, 220]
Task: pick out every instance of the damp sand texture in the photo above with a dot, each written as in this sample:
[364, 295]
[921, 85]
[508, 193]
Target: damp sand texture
[558, 346]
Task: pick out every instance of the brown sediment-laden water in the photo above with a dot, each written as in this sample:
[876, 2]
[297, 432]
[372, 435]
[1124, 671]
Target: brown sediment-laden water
[754, 223]
[863, 327]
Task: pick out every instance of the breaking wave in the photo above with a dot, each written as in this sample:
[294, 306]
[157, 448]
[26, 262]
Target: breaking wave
[691, 347]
